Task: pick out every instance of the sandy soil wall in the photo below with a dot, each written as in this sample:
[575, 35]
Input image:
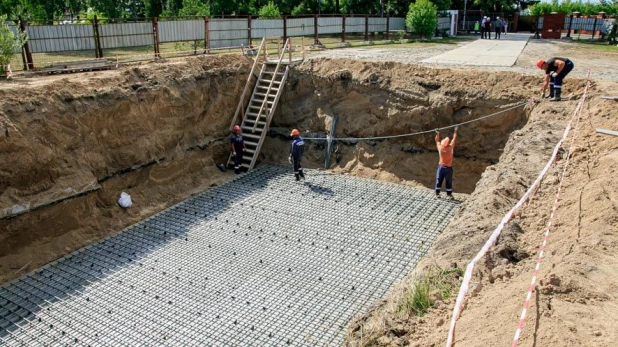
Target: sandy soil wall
[154, 131]
[377, 99]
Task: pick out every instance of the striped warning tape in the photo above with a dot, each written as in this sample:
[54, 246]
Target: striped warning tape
[465, 284]
[552, 215]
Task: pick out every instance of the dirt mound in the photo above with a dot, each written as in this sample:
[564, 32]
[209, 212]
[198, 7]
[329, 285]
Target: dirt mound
[574, 303]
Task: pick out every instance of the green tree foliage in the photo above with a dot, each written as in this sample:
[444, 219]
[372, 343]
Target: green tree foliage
[10, 42]
[194, 8]
[442, 4]
[269, 11]
[567, 7]
[422, 18]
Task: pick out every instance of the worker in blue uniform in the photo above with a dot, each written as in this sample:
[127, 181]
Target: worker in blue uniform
[296, 154]
[238, 146]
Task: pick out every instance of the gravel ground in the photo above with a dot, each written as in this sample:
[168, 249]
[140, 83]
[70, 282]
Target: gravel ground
[602, 64]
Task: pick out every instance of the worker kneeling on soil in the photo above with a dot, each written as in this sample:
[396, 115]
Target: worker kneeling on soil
[296, 154]
[445, 166]
[238, 146]
[556, 70]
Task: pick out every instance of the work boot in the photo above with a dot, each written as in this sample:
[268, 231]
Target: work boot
[557, 93]
[297, 177]
[302, 174]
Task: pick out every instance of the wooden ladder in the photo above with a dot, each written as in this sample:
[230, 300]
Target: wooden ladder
[261, 108]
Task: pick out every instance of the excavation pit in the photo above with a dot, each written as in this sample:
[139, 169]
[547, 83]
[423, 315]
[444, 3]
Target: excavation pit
[159, 135]
[261, 260]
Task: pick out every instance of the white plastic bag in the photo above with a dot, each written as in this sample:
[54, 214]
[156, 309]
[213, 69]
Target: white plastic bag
[125, 200]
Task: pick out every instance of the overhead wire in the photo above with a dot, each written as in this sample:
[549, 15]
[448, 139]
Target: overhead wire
[418, 132]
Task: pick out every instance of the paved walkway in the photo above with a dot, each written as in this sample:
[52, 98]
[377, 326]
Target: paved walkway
[503, 52]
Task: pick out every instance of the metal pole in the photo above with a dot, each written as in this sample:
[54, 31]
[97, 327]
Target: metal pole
[285, 28]
[570, 24]
[26, 53]
[155, 30]
[465, 12]
[343, 28]
[249, 31]
[97, 38]
[366, 28]
[206, 36]
[388, 26]
[315, 29]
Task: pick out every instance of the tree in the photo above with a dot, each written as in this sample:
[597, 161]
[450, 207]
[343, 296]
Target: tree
[10, 42]
[269, 11]
[194, 8]
[423, 18]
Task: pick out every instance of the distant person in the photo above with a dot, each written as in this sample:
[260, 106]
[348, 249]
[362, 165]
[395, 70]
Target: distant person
[498, 28]
[505, 25]
[296, 154]
[483, 27]
[445, 166]
[238, 146]
[488, 28]
[476, 28]
[556, 70]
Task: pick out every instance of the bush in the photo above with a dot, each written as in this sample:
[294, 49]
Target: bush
[194, 8]
[10, 43]
[422, 18]
[269, 11]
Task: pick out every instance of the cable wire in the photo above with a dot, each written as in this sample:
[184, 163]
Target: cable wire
[416, 133]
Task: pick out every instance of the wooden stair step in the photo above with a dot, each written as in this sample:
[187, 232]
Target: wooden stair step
[266, 87]
[254, 115]
[253, 122]
[254, 136]
[264, 94]
[268, 81]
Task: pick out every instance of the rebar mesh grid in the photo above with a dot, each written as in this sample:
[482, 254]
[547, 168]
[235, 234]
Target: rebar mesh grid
[260, 261]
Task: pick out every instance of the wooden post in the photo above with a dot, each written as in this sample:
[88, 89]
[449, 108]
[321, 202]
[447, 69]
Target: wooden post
[97, 37]
[285, 28]
[206, 36]
[155, 31]
[343, 28]
[315, 29]
[249, 30]
[289, 50]
[570, 25]
[388, 26]
[366, 28]
[26, 54]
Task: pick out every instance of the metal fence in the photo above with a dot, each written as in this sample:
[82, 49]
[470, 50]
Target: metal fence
[588, 24]
[157, 37]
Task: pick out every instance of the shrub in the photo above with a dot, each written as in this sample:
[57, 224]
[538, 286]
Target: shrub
[10, 43]
[422, 18]
[270, 11]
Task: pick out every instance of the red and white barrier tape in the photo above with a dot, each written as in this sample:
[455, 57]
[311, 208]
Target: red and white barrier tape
[552, 215]
[463, 290]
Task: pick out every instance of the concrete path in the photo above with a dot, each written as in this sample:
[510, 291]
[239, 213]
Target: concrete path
[503, 52]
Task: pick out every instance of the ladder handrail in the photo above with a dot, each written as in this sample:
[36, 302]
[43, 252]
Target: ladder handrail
[270, 86]
[244, 92]
[268, 120]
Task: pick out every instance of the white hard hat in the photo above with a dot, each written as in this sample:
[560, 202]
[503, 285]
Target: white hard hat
[497, 17]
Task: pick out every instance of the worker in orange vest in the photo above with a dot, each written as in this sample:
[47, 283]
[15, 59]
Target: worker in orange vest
[445, 166]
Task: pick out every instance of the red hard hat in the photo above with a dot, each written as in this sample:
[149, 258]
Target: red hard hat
[540, 63]
[294, 132]
[236, 128]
